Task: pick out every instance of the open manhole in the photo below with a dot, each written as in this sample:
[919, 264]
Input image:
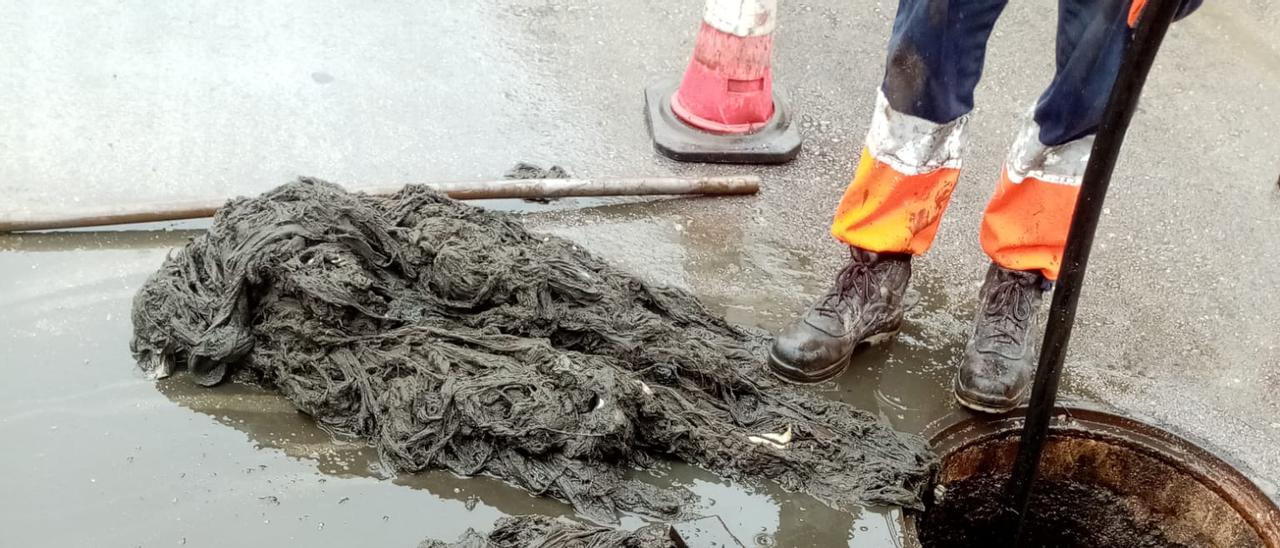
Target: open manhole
[1106, 480]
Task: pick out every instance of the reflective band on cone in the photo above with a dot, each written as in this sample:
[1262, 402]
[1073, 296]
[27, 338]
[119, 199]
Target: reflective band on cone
[742, 17]
[728, 87]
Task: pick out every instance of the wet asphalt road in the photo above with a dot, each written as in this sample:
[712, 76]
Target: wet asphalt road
[109, 101]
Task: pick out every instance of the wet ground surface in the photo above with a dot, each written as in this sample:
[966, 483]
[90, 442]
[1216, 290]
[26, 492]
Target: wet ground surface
[113, 101]
[128, 461]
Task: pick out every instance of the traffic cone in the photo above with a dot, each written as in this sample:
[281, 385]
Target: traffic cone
[726, 109]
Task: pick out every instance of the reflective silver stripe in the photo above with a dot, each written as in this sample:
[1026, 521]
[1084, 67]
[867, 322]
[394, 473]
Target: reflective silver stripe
[912, 145]
[742, 17]
[1061, 164]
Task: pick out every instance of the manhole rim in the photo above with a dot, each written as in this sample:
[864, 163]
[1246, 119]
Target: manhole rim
[1230, 479]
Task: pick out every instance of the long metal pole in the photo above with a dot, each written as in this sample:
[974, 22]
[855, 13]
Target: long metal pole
[117, 214]
[1140, 55]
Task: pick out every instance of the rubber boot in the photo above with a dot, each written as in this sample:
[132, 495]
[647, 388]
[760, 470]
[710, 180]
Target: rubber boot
[999, 359]
[864, 306]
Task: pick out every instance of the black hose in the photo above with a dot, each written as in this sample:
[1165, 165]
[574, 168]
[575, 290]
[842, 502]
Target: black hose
[1140, 54]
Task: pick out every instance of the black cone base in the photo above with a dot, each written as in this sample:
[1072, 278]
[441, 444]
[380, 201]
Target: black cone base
[778, 142]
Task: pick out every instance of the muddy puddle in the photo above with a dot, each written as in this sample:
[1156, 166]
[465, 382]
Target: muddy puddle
[98, 455]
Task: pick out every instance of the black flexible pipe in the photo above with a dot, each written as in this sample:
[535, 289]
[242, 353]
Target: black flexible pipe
[1140, 54]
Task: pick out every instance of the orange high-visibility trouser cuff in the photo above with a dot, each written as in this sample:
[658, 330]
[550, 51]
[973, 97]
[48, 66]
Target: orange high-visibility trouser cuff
[1026, 224]
[886, 211]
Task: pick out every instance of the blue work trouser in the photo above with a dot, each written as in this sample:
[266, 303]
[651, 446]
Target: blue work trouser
[912, 154]
[937, 49]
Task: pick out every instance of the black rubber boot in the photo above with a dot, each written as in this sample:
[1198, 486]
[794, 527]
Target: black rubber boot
[1001, 355]
[864, 306]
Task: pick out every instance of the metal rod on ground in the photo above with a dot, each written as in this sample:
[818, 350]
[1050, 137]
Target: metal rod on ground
[1121, 105]
[23, 220]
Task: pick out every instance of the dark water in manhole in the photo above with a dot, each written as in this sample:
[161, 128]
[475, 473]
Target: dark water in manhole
[1064, 514]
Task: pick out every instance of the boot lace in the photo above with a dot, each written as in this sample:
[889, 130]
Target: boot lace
[856, 280]
[1008, 310]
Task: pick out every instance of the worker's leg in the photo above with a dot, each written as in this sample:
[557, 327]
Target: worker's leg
[908, 168]
[911, 157]
[1025, 226]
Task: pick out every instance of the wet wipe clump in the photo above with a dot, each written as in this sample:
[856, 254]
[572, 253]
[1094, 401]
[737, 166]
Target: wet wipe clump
[545, 532]
[451, 337]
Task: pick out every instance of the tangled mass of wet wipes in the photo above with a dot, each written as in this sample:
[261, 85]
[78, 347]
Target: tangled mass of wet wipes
[451, 337]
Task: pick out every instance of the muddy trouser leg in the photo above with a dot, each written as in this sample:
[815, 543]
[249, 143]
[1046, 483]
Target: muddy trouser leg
[911, 157]
[1026, 221]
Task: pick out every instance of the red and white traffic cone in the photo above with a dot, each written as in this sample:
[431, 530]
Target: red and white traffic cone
[726, 109]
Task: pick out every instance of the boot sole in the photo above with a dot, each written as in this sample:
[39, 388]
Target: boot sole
[982, 407]
[787, 373]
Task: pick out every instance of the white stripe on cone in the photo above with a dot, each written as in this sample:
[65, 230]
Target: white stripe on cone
[913, 145]
[742, 17]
